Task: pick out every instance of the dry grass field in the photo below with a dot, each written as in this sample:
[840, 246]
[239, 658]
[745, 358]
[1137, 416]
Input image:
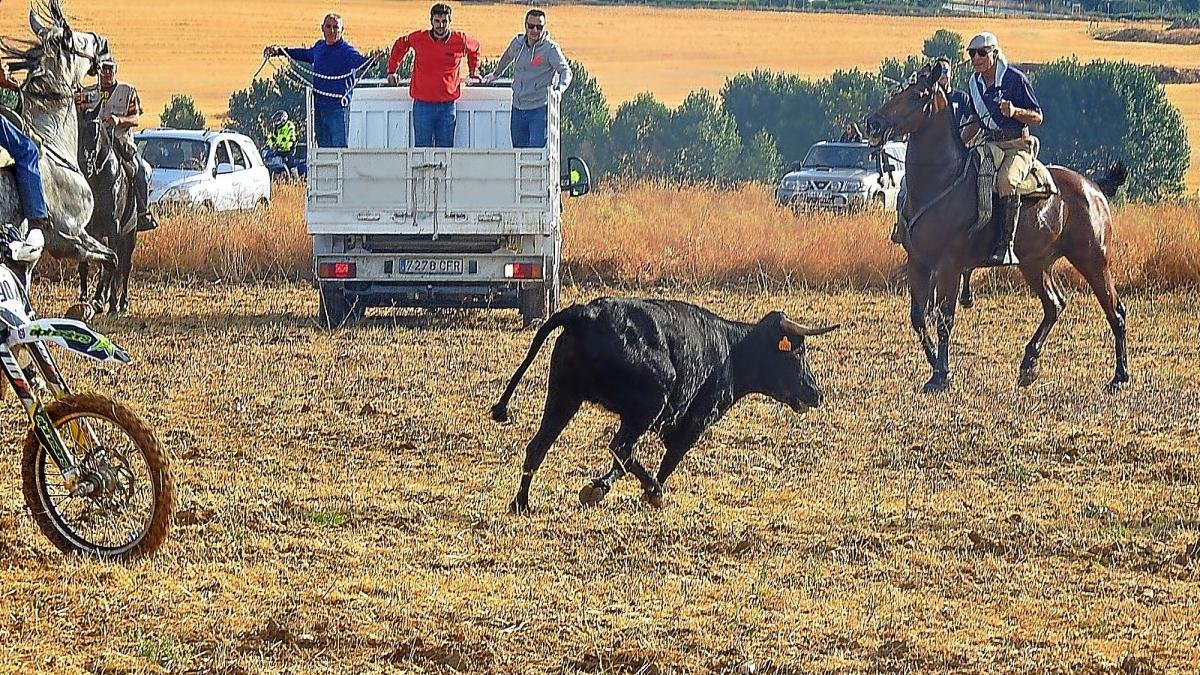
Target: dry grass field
[342, 505]
[343, 495]
[210, 49]
[658, 236]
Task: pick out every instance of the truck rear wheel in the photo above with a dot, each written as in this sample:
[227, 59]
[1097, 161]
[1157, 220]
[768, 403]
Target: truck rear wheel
[533, 303]
[334, 307]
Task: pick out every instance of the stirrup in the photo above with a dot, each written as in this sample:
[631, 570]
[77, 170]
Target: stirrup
[1008, 257]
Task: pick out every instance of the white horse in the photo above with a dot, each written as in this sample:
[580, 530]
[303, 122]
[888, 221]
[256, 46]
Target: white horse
[56, 63]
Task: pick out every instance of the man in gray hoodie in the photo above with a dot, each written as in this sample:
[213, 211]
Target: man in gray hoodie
[536, 60]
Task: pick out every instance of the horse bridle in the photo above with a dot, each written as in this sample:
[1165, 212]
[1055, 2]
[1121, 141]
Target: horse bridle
[91, 155]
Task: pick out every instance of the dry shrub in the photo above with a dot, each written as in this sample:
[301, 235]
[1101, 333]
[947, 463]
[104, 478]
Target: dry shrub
[1157, 247]
[258, 245]
[657, 234]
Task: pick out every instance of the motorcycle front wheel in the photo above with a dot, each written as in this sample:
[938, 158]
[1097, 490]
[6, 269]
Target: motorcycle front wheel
[125, 506]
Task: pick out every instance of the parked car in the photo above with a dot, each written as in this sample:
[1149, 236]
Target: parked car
[845, 177]
[209, 170]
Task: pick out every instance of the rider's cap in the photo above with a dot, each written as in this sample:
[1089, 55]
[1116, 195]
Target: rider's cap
[983, 40]
[108, 60]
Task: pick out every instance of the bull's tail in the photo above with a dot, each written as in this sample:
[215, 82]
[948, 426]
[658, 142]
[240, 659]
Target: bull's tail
[561, 318]
[1115, 178]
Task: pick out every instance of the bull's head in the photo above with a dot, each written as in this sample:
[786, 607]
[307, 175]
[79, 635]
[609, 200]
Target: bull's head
[782, 370]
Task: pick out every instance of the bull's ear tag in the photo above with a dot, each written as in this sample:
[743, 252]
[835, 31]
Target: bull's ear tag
[785, 345]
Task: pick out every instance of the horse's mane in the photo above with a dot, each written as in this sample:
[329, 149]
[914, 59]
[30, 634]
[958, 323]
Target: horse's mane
[25, 54]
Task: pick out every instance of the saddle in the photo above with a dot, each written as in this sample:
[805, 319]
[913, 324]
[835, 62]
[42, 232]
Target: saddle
[1037, 184]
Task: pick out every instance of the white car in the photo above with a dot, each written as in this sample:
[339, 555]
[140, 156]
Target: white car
[207, 170]
[844, 177]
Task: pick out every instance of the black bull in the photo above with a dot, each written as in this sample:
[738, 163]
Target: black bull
[662, 366]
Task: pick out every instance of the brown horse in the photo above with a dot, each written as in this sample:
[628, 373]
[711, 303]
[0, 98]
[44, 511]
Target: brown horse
[1075, 224]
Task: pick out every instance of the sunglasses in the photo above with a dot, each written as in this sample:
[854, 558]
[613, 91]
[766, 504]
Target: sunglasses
[535, 26]
[979, 52]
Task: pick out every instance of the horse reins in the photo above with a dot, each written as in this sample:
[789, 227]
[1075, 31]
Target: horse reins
[928, 111]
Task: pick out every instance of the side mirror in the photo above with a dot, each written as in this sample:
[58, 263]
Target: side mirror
[223, 168]
[577, 180]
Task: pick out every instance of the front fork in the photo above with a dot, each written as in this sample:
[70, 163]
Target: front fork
[42, 363]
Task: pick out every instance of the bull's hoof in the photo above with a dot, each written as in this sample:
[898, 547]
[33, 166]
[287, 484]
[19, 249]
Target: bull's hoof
[654, 499]
[936, 384]
[592, 494]
[80, 311]
[518, 508]
[1027, 377]
[1116, 385]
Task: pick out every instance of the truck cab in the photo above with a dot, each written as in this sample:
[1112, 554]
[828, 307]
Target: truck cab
[475, 225]
[844, 177]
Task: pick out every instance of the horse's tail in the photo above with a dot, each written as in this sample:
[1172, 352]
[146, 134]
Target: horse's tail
[562, 318]
[1115, 178]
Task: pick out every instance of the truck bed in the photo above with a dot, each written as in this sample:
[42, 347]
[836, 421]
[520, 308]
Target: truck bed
[380, 184]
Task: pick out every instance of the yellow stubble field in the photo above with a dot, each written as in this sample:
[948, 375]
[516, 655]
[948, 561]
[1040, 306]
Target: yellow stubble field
[209, 49]
[342, 504]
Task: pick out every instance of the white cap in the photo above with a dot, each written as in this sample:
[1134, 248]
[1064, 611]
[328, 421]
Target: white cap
[983, 40]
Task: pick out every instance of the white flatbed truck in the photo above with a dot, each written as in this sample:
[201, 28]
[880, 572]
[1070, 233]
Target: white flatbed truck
[475, 225]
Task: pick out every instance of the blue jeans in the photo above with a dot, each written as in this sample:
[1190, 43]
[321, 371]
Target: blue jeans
[433, 124]
[332, 125]
[528, 127]
[28, 175]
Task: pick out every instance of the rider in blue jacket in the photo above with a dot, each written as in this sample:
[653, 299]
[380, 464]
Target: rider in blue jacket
[25, 153]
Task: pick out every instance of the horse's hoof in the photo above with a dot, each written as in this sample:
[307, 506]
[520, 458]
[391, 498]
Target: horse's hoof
[592, 494]
[1027, 377]
[654, 499]
[1116, 385]
[936, 384]
[967, 301]
[80, 311]
[518, 508]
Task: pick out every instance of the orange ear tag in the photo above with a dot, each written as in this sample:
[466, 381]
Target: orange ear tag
[785, 345]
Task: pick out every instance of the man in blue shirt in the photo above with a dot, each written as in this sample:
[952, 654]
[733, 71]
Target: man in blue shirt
[1004, 106]
[334, 65]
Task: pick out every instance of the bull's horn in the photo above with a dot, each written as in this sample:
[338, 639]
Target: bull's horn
[800, 330]
[35, 23]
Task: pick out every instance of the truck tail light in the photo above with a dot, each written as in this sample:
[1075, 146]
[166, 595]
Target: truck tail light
[523, 271]
[337, 270]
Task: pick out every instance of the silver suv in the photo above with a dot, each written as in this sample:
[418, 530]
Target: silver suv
[844, 177]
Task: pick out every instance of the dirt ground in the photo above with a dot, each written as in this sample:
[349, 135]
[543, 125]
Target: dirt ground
[342, 504]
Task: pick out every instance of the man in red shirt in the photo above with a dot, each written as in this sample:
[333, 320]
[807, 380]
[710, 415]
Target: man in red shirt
[435, 84]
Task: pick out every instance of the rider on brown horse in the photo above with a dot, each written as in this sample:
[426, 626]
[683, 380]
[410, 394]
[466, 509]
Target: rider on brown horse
[1005, 108]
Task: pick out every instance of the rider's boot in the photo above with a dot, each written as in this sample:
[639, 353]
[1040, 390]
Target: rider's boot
[1002, 251]
[141, 198]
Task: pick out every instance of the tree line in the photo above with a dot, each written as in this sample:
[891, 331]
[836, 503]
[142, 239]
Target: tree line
[760, 122]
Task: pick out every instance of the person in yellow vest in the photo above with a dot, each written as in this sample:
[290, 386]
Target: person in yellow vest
[121, 109]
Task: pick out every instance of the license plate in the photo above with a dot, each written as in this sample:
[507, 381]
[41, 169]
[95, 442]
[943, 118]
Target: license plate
[429, 266]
